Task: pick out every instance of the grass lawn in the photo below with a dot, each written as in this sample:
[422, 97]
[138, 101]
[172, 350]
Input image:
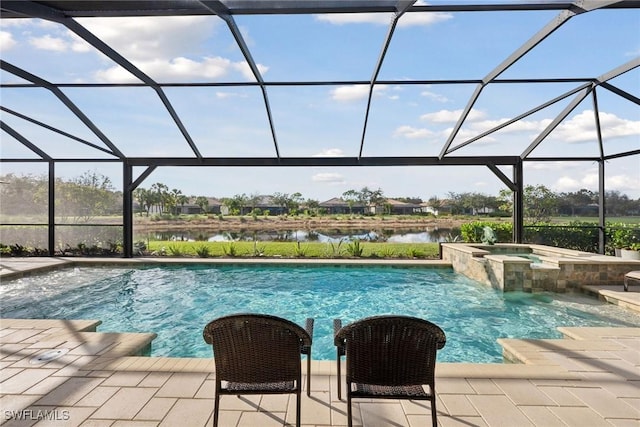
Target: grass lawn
[295, 250]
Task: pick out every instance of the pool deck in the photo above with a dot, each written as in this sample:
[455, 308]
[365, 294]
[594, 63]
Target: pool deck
[589, 378]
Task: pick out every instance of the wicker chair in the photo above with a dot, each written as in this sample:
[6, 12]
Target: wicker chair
[389, 357]
[259, 354]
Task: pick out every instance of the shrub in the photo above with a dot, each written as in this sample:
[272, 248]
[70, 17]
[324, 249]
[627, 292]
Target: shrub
[581, 236]
[176, 250]
[355, 248]
[414, 252]
[386, 252]
[334, 251]
[230, 250]
[258, 250]
[203, 250]
[299, 250]
[473, 231]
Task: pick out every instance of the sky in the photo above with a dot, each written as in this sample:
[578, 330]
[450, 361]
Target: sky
[404, 120]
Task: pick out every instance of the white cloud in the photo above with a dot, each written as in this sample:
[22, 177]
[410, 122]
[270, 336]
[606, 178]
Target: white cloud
[225, 95]
[566, 183]
[356, 18]
[450, 116]
[589, 179]
[410, 132]
[623, 183]
[548, 166]
[420, 19]
[355, 92]
[157, 47]
[78, 44]
[581, 127]
[328, 177]
[409, 19]
[151, 38]
[48, 42]
[434, 96]
[330, 152]
[580, 179]
[6, 41]
[519, 126]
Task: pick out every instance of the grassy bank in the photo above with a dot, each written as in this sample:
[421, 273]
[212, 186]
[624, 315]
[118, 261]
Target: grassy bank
[295, 250]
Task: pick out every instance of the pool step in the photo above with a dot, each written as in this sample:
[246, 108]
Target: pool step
[584, 350]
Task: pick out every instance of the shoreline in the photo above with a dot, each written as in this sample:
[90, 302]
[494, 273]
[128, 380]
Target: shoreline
[298, 223]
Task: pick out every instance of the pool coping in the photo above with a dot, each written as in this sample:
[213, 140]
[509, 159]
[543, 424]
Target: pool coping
[12, 267]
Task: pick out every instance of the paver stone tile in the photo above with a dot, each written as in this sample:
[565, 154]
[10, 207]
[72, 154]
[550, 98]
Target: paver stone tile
[24, 380]
[541, 416]
[125, 379]
[69, 392]
[605, 403]
[579, 416]
[125, 404]
[189, 412]
[262, 419]
[98, 396]
[182, 385]
[382, 414]
[156, 408]
[499, 411]
[522, 392]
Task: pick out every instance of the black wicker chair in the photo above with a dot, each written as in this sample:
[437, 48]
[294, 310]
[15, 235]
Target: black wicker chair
[389, 357]
[259, 354]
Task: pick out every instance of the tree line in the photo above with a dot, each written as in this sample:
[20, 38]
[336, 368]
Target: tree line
[92, 194]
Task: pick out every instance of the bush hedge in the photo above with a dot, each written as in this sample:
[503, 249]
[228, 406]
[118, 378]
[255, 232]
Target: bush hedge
[577, 235]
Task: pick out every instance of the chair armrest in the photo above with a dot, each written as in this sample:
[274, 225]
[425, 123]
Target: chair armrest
[308, 326]
[337, 325]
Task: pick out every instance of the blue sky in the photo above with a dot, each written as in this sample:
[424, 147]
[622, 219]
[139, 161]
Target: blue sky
[405, 120]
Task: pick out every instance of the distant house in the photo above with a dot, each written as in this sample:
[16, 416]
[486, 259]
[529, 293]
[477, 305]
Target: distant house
[215, 205]
[482, 211]
[338, 206]
[397, 207]
[264, 202]
[426, 208]
[444, 208]
[190, 208]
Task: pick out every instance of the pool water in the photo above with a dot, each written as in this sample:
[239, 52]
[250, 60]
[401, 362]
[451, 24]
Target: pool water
[177, 302]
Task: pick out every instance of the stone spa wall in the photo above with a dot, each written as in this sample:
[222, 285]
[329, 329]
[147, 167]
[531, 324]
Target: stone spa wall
[531, 268]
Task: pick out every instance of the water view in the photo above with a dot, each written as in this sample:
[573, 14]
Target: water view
[423, 235]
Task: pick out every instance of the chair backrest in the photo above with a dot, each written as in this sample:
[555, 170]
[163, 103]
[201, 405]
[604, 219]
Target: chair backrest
[391, 350]
[256, 348]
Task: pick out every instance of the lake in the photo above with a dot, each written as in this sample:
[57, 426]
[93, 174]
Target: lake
[421, 235]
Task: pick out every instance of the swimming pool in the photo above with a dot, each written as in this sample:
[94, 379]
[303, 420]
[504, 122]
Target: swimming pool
[177, 301]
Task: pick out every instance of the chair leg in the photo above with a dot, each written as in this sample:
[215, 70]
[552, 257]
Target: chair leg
[349, 411]
[216, 408]
[339, 378]
[298, 408]
[434, 413]
[309, 374]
